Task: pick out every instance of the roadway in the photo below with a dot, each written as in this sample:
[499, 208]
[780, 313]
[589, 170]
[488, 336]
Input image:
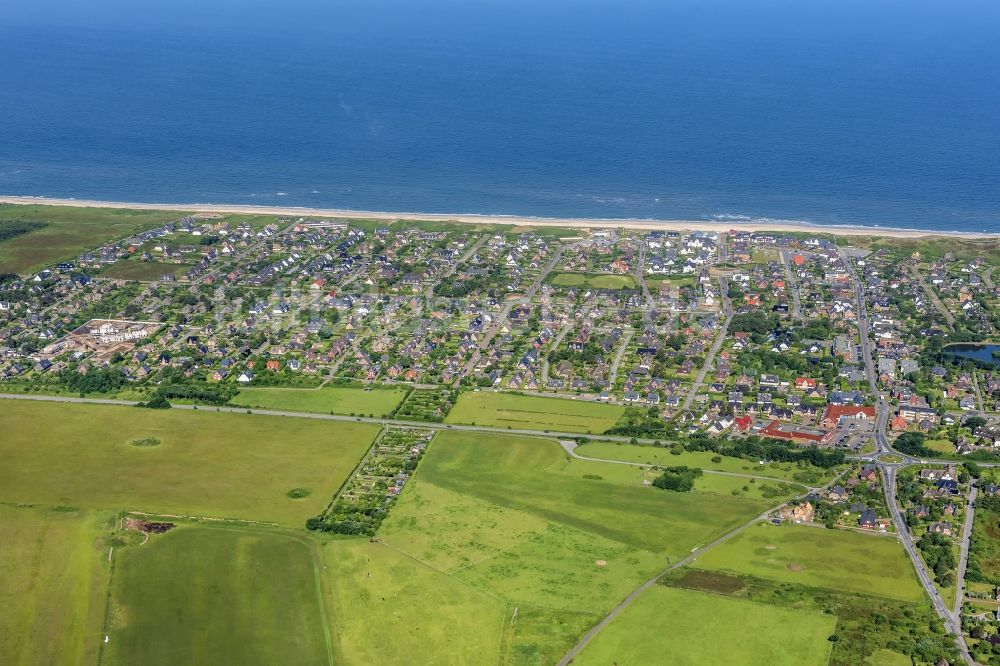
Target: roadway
[952, 621]
[727, 310]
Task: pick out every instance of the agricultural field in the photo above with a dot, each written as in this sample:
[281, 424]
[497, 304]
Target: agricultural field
[175, 461]
[652, 455]
[210, 595]
[68, 232]
[331, 399]
[533, 413]
[593, 280]
[507, 516]
[835, 559]
[53, 579]
[669, 625]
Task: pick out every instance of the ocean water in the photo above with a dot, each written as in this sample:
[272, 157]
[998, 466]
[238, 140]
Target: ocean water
[831, 111]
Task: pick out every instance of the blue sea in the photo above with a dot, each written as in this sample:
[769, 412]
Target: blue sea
[853, 112]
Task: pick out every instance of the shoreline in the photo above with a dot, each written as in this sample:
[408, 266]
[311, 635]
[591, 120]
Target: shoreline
[513, 220]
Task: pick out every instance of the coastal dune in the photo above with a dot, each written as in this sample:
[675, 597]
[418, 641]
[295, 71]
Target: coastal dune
[515, 220]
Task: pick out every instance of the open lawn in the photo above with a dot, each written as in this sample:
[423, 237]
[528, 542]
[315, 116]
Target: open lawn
[514, 518]
[389, 608]
[593, 280]
[834, 559]
[210, 595]
[53, 579]
[68, 232]
[652, 455]
[133, 269]
[335, 399]
[672, 626]
[207, 463]
[533, 412]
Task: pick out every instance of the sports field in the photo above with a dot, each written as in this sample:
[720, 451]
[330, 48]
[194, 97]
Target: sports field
[835, 559]
[53, 580]
[673, 626]
[504, 515]
[206, 464]
[593, 280]
[533, 412]
[68, 232]
[209, 595]
[336, 399]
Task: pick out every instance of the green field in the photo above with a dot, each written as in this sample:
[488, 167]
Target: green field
[69, 232]
[672, 626]
[53, 580]
[390, 608]
[203, 595]
[835, 559]
[133, 269]
[514, 519]
[208, 463]
[335, 399]
[533, 412]
[659, 282]
[593, 280]
[652, 455]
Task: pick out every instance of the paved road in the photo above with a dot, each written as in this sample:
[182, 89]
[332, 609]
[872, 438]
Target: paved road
[963, 556]
[727, 309]
[328, 417]
[988, 277]
[640, 277]
[793, 286]
[622, 346]
[932, 295]
[528, 295]
[554, 345]
[888, 471]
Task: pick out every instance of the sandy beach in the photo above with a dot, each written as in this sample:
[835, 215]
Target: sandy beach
[577, 223]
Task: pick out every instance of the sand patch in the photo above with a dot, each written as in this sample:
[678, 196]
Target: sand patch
[601, 563]
[792, 566]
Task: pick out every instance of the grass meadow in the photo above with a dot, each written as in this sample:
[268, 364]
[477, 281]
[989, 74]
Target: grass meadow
[69, 232]
[53, 580]
[835, 559]
[653, 455]
[336, 399]
[529, 412]
[211, 595]
[391, 608]
[673, 626]
[593, 280]
[143, 271]
[512, 518]
[207, 463]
